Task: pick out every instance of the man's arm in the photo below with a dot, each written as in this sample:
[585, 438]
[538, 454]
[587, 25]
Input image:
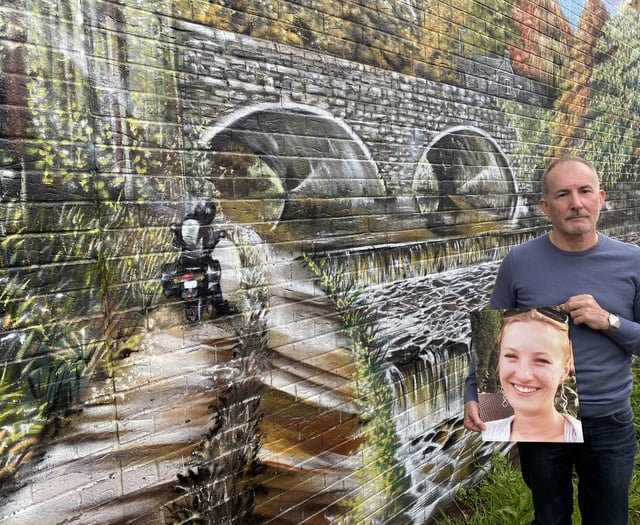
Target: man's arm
[472, 419]
[584, 309]
[503, 294]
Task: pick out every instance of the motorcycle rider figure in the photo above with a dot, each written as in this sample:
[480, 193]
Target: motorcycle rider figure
[195, 235]
[196, 238]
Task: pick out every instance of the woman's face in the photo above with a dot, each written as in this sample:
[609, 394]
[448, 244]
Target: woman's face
[531, 366]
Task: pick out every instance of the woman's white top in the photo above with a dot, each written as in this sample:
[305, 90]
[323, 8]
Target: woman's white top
[500, 430]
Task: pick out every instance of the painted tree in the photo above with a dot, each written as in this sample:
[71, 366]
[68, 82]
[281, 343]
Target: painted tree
[486, 328]
[568, 128]
[544, 37]
[488, 27]
[76, 254]
[612, 128]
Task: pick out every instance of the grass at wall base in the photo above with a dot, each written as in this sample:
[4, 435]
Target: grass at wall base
[502, 498]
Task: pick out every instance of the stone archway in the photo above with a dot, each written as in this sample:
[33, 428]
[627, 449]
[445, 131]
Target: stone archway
[463, 183]
[281, 163]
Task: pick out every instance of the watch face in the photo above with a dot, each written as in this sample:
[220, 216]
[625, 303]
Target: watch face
[614, 322]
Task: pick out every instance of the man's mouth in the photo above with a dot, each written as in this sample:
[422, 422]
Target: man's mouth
[524, 389]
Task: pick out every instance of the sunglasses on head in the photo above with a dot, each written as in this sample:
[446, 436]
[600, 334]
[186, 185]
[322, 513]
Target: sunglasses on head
[555, 314]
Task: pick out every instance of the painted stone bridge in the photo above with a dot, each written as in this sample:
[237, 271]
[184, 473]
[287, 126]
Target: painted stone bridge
[316, 149]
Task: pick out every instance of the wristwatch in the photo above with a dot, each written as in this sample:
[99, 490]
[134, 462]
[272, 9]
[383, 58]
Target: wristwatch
[614, 323]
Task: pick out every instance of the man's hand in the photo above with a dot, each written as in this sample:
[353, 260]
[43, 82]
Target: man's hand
[472, 419]
[584, 309]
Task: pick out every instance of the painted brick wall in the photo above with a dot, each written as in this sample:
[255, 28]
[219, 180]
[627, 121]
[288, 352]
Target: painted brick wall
[370, 164]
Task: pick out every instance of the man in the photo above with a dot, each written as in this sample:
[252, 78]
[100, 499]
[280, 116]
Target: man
[195, 233]
[596, 279]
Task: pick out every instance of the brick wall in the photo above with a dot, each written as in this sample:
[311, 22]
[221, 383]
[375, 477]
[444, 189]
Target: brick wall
[370, 163]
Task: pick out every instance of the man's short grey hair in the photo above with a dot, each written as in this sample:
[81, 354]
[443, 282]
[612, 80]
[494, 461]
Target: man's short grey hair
[562, 160]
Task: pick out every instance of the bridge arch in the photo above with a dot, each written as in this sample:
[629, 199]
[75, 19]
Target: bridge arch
[284, 162]
[463, 181]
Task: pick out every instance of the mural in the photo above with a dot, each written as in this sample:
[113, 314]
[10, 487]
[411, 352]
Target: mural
[352, 181]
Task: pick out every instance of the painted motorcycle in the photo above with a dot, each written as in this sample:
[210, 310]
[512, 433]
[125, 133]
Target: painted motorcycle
[195, 276]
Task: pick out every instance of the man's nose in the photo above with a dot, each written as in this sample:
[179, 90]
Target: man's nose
[576, 201]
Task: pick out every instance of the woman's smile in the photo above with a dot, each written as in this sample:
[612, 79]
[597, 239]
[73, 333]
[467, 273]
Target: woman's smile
[524, 389]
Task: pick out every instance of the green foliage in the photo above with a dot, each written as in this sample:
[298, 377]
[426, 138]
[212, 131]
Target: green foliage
[502, 498]
[254, 286]
[634, 494]
[130, 256]
[42, 376]
[60, 264]
[48, 350]
[22, 419]
[489, 38]
[382, 478]
[486, 327]
[56, 375]
[613, 128]
[531, 124]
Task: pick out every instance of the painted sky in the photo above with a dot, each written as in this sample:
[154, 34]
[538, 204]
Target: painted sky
[573, 8]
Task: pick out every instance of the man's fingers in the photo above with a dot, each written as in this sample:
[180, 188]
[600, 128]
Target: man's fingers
[472, 419]
[473, 426]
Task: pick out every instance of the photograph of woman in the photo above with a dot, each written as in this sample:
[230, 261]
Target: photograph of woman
[526, 378]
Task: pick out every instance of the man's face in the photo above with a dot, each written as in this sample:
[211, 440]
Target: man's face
[573, 199]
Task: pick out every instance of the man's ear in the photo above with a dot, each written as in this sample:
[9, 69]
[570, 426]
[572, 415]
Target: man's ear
[543, 206]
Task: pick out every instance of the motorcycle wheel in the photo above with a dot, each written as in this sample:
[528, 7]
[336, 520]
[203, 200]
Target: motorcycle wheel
[193, 310]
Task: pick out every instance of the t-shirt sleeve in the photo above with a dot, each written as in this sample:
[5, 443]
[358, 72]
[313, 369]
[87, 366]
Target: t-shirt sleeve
[504, 294]
[471, 384]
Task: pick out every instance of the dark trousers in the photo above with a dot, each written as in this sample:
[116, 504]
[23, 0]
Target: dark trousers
[603, 463]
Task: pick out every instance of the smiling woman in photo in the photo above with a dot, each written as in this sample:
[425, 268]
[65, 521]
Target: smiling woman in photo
[534, 359]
